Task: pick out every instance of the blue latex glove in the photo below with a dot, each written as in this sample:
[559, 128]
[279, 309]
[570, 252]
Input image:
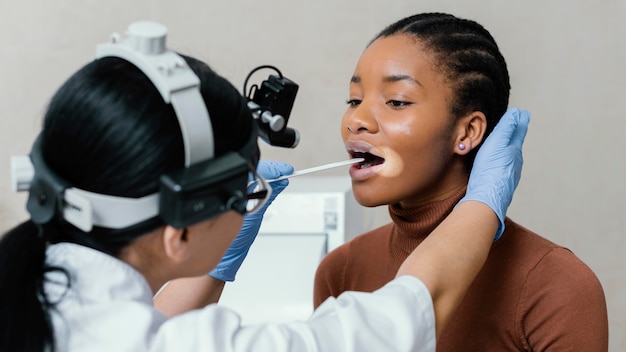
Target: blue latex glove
[498, 165]
[238, 250]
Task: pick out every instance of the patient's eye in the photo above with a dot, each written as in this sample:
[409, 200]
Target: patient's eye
[398, 104]
[353, 102]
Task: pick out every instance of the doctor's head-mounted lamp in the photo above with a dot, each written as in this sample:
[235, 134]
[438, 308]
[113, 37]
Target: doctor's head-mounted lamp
[206, 187]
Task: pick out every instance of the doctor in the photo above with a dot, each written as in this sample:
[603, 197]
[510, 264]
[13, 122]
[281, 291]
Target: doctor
[140, 177]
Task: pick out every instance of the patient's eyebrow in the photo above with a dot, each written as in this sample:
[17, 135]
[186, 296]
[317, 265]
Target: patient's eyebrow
[400, 77]
[390, 79]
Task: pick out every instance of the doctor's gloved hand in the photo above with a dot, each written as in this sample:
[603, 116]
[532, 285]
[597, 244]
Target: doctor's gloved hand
[238, 250]
[498, 165]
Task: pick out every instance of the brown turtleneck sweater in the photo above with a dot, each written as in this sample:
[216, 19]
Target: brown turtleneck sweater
[531, 295]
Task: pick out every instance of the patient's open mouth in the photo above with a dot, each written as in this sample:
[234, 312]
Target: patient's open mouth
[370, 159]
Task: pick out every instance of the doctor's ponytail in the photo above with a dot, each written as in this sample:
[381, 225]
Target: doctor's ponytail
[24, 308]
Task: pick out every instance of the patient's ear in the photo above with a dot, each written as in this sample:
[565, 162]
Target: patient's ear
[470, 131]
[176, 243]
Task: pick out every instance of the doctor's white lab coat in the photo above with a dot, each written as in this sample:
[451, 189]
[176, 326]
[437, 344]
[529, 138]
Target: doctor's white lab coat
[109, 308]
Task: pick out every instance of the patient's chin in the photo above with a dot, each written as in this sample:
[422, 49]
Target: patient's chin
[366, 197]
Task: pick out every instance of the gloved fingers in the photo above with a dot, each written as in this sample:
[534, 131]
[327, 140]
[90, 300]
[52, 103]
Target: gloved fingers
[273, 169]
[270, 170]
[520, 132]
[505, 128]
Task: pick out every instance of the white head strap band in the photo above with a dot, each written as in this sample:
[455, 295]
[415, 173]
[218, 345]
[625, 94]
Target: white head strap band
[145, 48]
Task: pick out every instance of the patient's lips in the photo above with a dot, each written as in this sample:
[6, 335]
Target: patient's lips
[370, 166]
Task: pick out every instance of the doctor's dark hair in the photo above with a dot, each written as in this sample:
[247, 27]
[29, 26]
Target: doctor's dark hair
[106, 130]
[468, 57]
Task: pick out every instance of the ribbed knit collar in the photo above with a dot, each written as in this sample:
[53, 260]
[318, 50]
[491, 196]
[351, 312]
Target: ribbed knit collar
[411, 226]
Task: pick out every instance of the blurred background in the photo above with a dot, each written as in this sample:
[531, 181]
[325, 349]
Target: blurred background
[566, 61]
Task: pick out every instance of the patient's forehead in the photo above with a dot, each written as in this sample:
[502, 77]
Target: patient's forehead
[400, 54]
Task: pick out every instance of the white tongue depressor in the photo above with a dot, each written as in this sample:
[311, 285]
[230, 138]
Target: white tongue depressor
[318, 168]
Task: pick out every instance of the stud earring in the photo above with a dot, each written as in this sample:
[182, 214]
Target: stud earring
[461, 146]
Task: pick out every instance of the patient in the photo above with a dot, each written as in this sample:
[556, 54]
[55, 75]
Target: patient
[424, 95]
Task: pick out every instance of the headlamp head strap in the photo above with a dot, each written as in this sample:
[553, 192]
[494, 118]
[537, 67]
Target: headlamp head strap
[145, 48]
[50, 195]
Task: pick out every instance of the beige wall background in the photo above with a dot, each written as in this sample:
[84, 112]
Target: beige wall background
[566, 60]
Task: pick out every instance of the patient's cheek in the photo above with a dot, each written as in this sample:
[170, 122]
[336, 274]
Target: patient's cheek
[394, 165]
